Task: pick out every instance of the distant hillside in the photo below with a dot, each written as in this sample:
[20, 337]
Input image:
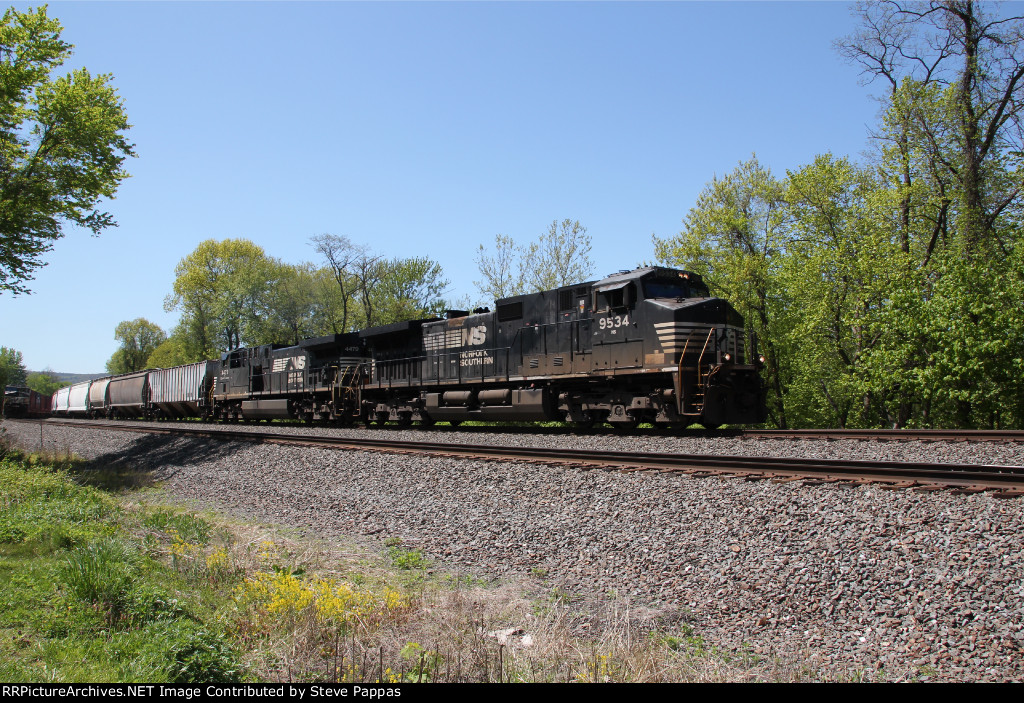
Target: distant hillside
[72, 377]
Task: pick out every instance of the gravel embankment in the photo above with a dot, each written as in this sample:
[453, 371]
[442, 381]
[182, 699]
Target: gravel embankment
[847, 581]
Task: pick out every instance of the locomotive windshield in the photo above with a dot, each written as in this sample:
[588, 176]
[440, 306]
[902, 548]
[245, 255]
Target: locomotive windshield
[674, 289]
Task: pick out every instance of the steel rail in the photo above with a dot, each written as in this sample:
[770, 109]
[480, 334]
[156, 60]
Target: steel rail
[894, 435]
[877, 435]
[1008, 480]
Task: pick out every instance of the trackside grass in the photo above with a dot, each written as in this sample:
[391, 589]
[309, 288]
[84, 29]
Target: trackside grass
[101, 583]
[86, 591]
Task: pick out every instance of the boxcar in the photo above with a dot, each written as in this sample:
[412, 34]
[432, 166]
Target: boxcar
[38, 404]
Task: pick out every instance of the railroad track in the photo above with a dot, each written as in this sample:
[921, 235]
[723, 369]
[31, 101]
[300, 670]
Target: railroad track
[875, 435]
[1002, 481]
[1006, 436]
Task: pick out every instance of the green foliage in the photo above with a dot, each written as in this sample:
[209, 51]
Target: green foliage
[62, 143]
[12, 367]
[369, 290]
[350, 266]
[421, 662]
[231, 294]
[293, 308]
[198, 654]
[503, 273]
[101, 573]
[88, 603]
[139, 338]
[44, 382]
[407, 289]
[185, 526]
[221, 289]
[888, 294]
[736, 237]
[173, 351]
[871, 313]
[406, 559]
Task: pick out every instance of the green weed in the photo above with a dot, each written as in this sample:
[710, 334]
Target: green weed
[101, 574]
[188, 528]
[405, 559]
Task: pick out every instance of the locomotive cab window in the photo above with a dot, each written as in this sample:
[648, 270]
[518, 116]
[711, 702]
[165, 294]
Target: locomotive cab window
[675, 289]
[614, 296]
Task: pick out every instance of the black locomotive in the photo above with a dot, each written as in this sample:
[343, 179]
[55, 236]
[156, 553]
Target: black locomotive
[645, 345]
[25, 402]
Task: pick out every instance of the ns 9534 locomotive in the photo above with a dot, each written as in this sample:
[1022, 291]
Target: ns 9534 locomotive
[645, 345]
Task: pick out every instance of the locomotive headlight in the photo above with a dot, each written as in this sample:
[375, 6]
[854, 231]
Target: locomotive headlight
[727, 357]
[761, 358]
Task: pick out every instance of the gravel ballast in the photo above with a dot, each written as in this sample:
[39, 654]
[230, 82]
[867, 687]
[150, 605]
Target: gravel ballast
[849, 582]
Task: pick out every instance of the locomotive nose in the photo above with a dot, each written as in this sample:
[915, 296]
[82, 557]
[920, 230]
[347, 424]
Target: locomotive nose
[710, 311]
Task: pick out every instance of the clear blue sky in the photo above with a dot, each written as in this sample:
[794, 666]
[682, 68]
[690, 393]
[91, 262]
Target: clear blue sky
[424, 129]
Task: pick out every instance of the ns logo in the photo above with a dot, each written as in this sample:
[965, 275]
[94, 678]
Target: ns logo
[289, 363]
[474, 335]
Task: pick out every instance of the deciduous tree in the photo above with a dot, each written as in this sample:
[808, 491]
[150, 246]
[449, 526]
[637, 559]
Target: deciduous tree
[371, 290]
[964, 62]
[502, 274]
[736, 236]
[559, 257]
[12, 367]
[350, 264]
[407, 289]
[173, 351]
[138, 339]
[292, 305]
[45, 382]
[223, 290]
[62, 144]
